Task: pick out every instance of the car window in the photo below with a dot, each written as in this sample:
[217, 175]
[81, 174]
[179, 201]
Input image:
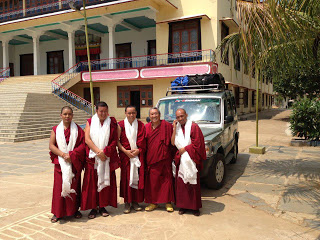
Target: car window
[233, 102]
[198, 109]
[227, 108]
[230, 108]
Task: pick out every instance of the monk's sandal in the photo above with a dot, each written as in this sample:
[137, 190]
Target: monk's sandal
[151, 207]
[103, 212]
[169, 207]
[54, 219]
[127, 208]
[136, 206]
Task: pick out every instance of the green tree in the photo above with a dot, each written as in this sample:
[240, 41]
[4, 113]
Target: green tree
[280, 39]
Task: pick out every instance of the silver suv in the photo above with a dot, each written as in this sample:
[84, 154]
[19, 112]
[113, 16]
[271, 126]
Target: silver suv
[214, 111]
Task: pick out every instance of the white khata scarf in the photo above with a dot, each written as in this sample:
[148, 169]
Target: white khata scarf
[100, 137]
[131, 133]
[66, 167]
[187, 169]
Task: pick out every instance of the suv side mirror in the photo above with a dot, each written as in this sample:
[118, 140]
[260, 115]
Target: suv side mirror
[228, 119]
[148, 119]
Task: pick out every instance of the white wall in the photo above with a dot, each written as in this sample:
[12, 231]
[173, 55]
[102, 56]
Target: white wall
[138, 39]
[46, 46]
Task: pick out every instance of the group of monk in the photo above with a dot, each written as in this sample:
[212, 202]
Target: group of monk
[159, 162]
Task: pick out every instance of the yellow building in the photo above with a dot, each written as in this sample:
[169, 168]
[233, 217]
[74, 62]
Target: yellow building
[137, 48]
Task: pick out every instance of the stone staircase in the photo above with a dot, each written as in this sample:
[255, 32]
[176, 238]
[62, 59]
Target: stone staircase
[28, 109]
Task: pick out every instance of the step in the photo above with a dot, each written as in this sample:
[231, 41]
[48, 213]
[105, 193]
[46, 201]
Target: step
[23, 139]
[25, 134]
[40, 120]
[23, 119]
[76, 113]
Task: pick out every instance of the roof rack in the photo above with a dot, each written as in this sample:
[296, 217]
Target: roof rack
[195, 89]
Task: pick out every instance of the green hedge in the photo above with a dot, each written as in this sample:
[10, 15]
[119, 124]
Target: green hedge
[305, 119]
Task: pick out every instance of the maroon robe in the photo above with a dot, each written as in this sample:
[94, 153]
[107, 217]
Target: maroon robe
[68, 206]
[188, 196]
[159, 178]
[128, 193]
[91, 198]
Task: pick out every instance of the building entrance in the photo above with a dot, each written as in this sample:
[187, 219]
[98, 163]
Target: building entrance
[135, 101]
[26, 64]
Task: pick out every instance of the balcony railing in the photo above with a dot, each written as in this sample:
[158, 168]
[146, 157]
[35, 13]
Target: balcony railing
[4, 73]
[10, 11]
[65, 94]
[150, 60]
[166, 59]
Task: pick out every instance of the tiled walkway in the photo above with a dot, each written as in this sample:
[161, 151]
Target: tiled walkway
[247, 208]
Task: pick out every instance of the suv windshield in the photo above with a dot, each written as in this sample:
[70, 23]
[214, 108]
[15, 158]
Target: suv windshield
[198, 109]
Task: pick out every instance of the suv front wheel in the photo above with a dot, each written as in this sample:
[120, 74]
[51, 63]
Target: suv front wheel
[217, 172]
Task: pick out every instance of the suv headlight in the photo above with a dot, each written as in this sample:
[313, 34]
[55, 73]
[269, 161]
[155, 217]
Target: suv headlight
[208, 149]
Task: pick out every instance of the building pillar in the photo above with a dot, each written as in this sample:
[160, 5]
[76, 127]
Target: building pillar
[24, 7]
[71, 48]
[111, 30]
[241, 100]
[36, 55]
[5, 52]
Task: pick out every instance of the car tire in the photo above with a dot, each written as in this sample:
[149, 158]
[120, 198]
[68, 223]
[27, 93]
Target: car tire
[217, 172]
[235, 153]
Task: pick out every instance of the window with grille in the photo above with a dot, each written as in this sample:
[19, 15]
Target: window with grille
[237, 96]
[253, 98]
[245, 97]
[224, 33]
[184, 36]
[124, 95]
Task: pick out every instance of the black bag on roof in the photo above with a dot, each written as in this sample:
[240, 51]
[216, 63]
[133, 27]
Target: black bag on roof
[206, 79]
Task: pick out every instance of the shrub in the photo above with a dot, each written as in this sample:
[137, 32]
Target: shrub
[305, 119]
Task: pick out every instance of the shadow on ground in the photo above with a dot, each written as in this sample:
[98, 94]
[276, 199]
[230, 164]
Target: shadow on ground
[233, 172]
[270, 114]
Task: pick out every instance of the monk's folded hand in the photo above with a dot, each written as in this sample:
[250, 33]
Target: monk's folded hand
[182, 151]
[129, 153]
[101, 155]
[66, 157]
[135, 152]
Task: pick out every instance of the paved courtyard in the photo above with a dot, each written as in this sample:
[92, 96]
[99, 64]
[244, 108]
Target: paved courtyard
[271, 196]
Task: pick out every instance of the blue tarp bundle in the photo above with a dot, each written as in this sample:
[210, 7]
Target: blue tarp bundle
[179, 82]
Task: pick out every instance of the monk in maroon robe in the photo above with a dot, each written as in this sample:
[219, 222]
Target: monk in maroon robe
[159, 178]
[188, 196]
[91, 197]
[67, 206]
[132, 194]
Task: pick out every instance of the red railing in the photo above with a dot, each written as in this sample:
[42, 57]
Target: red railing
[67, 95]
[4, 73]
[165, 59]
[12, 12]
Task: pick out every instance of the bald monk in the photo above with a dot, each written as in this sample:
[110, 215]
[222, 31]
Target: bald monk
[99, 184]
[188, 139]
[159, 178]
[132, 148]
[67, 151]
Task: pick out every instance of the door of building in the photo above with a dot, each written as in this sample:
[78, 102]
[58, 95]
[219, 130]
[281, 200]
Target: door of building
[26, 64]
[11, 65]
[152, 50]
[135, 101]
[96, 94]
[122, 51]
[55, 62]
